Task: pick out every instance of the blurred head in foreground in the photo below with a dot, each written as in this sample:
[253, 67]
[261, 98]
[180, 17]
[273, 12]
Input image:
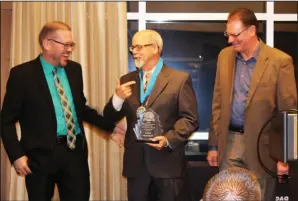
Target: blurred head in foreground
[233, 184]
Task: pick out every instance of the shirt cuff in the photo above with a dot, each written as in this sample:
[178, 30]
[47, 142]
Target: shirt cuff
[117, 102]
[168, 144]
[212, 148]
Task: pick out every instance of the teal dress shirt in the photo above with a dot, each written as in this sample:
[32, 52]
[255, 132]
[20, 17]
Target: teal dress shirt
[48, 71]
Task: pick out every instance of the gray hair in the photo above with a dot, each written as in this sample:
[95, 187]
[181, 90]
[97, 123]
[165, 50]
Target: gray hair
[153, 36]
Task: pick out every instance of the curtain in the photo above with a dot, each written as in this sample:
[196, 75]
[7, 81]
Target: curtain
[100, 32]
[6, 13]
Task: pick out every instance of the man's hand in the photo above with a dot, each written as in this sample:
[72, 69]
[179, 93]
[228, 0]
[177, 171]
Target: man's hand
[118, 138]
[118, 134]
[124, 91]
[119, 129]
[282, 169]
[212, 157]
[21, 166]
[162, 142]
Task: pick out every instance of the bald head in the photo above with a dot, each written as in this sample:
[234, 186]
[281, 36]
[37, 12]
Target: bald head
[150, 36]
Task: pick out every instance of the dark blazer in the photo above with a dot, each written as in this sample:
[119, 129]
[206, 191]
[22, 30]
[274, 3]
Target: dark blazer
[272, 89]
[173, 99]
[28, 101]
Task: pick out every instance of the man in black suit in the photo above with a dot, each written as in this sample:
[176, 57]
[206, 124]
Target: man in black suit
[46, 97]
[169, 93]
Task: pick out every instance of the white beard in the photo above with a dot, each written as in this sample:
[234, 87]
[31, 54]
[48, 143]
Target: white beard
[139, 63]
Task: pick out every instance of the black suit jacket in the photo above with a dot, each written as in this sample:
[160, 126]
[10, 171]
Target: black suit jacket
[29, 102]
[173, 99]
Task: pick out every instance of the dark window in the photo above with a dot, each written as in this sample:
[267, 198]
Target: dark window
[285, 7]
[132, 28]
[203, 7]
[285, 39]
[132, 6]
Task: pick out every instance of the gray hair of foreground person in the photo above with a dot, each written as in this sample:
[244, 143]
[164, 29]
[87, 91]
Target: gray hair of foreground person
[233, 184]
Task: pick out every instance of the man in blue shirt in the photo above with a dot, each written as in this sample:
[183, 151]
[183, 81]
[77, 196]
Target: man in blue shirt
[253, 83]
[154, 171]
[46, 97]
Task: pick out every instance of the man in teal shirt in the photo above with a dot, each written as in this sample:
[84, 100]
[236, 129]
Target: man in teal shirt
[46, 97]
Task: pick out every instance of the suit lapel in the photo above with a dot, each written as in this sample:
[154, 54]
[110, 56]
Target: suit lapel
[71, 79]
[161, 82]
[261, 65]
[136, 88]
[134, 99]
[42, 84]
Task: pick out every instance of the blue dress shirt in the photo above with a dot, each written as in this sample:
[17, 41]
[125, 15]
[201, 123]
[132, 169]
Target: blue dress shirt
[243, 73]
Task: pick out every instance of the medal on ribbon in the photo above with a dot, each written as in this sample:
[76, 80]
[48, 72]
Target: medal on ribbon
[148, 124]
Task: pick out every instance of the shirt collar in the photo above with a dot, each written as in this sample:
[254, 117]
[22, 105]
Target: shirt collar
[149, 71]
[47, 67]
[255, 54]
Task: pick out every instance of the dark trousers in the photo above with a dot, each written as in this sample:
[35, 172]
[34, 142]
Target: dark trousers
[62, 166]
[293, 181]
[234, 157]
[147, 188]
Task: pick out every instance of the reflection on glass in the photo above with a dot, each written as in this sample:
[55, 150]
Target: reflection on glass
[203, 7]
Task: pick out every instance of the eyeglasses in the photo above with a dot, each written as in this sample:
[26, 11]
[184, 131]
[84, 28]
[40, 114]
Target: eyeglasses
[235, 35]
[66, 45]
[139, 47]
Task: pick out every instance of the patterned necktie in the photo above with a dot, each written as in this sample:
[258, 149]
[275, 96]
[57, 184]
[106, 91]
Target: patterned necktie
[147, 78]
[71, 137]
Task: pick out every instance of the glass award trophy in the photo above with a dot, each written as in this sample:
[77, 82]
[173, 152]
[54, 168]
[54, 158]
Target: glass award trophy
[148, 125]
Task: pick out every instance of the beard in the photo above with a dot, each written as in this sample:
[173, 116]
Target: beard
[63, 62]
[139, 63]
[59, 60]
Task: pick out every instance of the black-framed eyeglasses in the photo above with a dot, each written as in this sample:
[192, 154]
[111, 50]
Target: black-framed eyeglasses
[139, 47]
[235, 35]
[66, 45]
